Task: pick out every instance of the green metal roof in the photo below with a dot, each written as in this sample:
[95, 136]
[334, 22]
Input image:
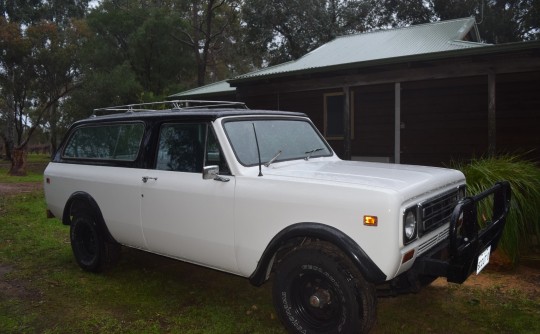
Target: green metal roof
[219, 87]
[375, 47]
[382, 44]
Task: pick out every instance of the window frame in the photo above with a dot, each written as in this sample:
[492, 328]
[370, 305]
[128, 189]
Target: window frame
[207, 128]
[269, 118]
[352, 110]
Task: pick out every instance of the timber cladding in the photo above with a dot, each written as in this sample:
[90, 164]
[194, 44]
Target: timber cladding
[444, 120]
[441, 120]
[518, 114]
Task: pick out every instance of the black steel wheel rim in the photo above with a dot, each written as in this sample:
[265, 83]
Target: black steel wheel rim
[86, 241]
[303, 287]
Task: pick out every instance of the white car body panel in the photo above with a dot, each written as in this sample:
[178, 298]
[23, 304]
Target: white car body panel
[337, 194]
[228, 225]
[116, 191]
[188, 218]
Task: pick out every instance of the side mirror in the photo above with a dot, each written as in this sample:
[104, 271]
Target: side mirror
[212, 173]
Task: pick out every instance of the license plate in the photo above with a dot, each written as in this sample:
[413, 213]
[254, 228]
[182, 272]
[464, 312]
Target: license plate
[483, 260]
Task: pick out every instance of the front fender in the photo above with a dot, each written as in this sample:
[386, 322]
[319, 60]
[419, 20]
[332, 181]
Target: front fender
[371, 272]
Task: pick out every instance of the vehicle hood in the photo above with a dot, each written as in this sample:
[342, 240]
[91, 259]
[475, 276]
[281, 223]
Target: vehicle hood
[400, 178]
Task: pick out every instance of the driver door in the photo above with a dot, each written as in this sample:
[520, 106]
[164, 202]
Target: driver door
[183, 215]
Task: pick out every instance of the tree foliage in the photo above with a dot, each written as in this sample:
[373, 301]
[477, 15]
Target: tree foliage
[60, 59]
[38, 67]
[135, 41]
[499, 21]
[288, 29]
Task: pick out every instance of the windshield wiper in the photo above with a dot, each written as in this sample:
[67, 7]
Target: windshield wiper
[273, 159]
[309, 153]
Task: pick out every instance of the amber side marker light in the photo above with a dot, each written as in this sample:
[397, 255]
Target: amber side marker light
[370, 220]
[409, 255]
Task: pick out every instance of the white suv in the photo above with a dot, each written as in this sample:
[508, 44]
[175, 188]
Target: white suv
[256, 193]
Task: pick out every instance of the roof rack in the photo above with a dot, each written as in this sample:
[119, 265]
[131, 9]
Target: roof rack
[173, 105]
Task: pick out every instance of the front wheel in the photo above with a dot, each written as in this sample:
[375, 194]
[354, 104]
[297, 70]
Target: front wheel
[92, 252]
[316, 290]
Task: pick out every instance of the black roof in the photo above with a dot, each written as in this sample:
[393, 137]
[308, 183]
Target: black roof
[186, 114]
[179, 109]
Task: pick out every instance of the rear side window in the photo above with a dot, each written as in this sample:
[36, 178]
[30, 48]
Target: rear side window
[105, 142]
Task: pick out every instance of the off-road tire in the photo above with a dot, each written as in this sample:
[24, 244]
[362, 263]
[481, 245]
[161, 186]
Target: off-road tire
[320, 269]
[91, 250]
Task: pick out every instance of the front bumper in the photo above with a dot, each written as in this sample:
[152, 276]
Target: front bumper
[457, 257]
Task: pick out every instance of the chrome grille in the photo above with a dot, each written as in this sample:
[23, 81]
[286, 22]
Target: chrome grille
[437, 211]
[431, 242]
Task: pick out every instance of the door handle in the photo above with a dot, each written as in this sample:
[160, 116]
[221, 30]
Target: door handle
[146, 178]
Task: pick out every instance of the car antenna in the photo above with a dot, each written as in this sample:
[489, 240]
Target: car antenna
[258, 150]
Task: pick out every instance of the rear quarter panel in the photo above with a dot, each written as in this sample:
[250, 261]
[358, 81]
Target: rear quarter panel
[115, 189]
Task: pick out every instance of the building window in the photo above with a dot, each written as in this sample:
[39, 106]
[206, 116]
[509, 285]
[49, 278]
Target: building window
[334, 105]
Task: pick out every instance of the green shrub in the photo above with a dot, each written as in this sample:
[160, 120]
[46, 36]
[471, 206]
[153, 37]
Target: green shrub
[523, 223]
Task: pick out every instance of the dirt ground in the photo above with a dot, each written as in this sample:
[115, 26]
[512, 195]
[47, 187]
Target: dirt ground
[524, 278]
[7, 189]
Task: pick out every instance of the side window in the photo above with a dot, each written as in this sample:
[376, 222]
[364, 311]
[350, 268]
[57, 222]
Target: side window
[105, 142]
[181, 147]
[214, 156]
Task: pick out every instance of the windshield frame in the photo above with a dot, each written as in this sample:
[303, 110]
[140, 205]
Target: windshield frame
[255, 119]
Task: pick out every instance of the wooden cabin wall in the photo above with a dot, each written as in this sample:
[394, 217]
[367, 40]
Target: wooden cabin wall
[444, 120]
[518, 114]
[308, 102]
[267, 101]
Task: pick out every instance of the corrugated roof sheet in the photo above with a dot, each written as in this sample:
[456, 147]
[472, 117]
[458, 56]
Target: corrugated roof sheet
[364, 47]
[213, 88]
[381, 44]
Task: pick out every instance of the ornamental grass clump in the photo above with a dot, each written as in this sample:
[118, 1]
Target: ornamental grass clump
[522, 228]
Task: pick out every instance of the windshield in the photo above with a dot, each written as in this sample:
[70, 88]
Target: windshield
[279, 140]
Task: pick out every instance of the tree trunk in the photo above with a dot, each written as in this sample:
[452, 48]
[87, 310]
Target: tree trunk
[52, 149]
[8, 147]
[18, 161]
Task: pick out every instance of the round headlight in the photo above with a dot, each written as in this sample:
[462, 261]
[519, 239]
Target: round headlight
[409, 225]
[462, 191]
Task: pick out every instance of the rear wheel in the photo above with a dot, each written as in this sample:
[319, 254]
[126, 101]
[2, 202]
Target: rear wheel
[92, 252]
[316, 290]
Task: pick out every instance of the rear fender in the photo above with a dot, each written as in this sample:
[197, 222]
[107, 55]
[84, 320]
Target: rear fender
[82, 201]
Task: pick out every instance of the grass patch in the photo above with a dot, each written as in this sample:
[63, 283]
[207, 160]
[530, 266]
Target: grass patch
[43, 290]
[38, 158]
[461, 309]
[30, 177]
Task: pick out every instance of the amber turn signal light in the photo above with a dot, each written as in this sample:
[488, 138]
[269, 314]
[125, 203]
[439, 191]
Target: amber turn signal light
[370, 220]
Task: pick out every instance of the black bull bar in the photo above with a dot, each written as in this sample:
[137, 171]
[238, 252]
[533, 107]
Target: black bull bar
[457, 257]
